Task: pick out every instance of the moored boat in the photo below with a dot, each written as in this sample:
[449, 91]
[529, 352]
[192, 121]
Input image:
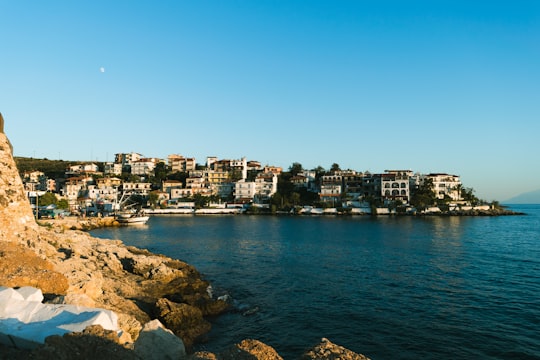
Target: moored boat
[137, 218]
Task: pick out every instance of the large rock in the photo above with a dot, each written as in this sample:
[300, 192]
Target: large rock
[184, 320]
[17, 223]
[25, 321]
[158, 343]
[22, 267]
[250, 350]
[330, 351]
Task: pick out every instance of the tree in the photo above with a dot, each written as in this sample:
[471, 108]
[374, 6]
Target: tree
[295, 168]
[424, 195]
[335, 167]
[47, 199]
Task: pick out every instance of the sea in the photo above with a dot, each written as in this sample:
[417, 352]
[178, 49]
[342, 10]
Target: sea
[389, 287]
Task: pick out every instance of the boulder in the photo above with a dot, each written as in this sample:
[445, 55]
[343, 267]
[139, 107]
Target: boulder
[330, 351]
[250, 350]
[155, 342]
[25, 322]
[184, 320]
[22, 267]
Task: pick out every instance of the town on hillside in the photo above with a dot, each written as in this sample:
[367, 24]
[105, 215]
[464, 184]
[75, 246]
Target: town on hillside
[179, 185]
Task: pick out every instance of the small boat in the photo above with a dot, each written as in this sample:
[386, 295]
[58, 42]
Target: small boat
[132, 218]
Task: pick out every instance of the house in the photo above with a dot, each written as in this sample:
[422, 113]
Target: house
[445, 185]
[112, 169]
[168, 185]
[139, 188]
[179, 163]
[75, 170]
[330, 193]
[244, 191]
[72, 189]
[144, 166]
[266, 185]
[395, 185]
[126, 159]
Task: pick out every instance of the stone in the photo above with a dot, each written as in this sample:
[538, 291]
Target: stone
[184, 320]
[25, 322]
[250, 350]
[22, 267]
[155, 342]
[330, 351]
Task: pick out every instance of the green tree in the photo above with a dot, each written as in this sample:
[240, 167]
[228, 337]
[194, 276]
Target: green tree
[153, 198]
[62, 204]
[424, 196]
[335, 167]
[295, 168]
[47, 199]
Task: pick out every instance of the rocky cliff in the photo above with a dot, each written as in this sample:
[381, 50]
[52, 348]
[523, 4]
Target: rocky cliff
[72, 267]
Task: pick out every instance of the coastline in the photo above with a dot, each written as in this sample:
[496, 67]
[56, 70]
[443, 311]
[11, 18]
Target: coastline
[90, 223]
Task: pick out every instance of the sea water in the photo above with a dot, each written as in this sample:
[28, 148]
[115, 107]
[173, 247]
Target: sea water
[388, 287]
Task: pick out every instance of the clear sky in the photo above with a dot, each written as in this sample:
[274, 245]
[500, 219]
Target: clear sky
[432, 86]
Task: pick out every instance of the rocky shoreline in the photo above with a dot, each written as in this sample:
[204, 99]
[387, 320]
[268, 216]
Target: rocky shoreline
[71, 267]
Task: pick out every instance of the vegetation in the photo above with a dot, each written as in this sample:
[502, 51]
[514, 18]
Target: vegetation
[51, 168]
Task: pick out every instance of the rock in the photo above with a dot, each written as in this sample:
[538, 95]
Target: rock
[330, 351]
[92, 343]
[157, 343]
[250, 350]
[184, 320]
[25, 322]
[16, 217]
[22, 267]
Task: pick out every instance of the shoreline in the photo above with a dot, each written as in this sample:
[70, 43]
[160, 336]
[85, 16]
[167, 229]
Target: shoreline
[91, 223]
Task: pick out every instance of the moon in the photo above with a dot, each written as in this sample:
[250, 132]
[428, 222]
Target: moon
[102, 69]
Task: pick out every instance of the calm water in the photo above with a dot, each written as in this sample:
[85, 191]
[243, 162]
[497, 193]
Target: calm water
[390, 287]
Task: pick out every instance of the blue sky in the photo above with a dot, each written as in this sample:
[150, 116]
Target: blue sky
[431, 86]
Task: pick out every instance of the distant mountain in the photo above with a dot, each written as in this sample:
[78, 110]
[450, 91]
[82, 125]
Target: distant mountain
[531, 197]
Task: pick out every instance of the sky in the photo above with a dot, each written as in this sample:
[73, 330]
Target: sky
[430, 86]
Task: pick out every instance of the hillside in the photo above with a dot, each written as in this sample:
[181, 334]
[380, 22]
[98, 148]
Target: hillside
[531, 197]
[51, 168]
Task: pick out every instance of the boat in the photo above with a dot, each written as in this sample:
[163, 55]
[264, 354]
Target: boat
[132, 218]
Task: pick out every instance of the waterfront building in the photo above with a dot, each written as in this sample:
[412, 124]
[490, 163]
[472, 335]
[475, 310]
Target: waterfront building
[244, 191]
[446, 185]
[395, 186]
[265, 186]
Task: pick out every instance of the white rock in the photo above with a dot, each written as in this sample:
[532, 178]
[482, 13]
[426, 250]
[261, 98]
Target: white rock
[25, 323]
[155, 336]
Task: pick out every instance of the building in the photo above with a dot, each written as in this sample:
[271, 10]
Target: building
[144, 166]
[244, 191]
[445, 185]
[395, 186]
[265, 186]
[179, 163]
[112, 169]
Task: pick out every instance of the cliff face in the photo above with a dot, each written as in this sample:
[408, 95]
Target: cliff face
[17, 222]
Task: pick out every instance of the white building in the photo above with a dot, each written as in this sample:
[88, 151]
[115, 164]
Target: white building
[244, 191]
[266, 185]
[144, 166]
[112, 169]
[445, 185]
[395, 185]
[137, 188]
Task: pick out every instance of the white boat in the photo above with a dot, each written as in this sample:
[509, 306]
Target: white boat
[129, 218]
